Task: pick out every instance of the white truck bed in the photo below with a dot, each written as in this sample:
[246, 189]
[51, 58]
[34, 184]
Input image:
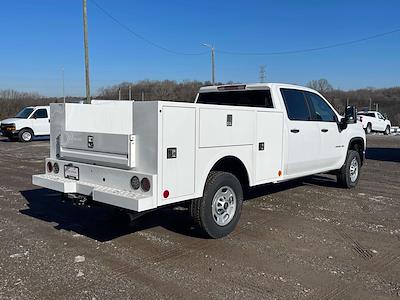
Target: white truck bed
[134, 138]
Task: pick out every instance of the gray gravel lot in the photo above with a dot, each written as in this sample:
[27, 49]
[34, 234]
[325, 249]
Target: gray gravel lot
[303, 239]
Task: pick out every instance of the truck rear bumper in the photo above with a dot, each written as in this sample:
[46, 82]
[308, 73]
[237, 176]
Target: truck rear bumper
[119, 198]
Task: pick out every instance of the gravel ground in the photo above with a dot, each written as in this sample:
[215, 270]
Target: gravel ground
[303, 239]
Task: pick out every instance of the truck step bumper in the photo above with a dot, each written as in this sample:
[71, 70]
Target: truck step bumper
[119, 198]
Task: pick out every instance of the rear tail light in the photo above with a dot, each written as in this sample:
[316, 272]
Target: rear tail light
[49, 167]
[145, 184]
[135, 182]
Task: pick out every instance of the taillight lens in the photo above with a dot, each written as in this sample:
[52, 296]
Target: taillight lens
[56, 168]
[49, 167]
[145, 184]
[135, 182]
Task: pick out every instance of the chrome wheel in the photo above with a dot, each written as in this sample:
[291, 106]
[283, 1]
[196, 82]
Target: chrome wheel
[26, 136]
[224, 205]
[354, 169]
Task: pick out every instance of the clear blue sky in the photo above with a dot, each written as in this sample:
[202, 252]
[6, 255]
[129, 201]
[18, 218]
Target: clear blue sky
[39, 37]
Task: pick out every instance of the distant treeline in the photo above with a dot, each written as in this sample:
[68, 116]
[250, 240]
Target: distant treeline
[388, 99]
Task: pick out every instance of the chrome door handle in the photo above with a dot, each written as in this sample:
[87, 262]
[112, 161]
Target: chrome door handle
[324, 130]
[295, 130]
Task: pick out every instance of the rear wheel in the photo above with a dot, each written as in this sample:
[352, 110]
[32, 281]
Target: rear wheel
[218, 212]
[368, 129]
[387, 130]
[349, 173]
[25, 135]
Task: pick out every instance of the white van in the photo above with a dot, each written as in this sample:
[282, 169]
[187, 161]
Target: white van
[29, 122]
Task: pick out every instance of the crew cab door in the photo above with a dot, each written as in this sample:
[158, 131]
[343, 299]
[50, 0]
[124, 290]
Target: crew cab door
[40, 122]
[303, 135]
[332, 146]
[380, 121]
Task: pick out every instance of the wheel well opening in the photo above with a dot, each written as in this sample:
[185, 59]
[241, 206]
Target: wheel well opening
[235, 166]
[27, 128]
[358, 145]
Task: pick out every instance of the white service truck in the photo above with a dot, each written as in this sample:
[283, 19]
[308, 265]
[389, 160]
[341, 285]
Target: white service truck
[142, 155]
[29, 122]
[374, 121]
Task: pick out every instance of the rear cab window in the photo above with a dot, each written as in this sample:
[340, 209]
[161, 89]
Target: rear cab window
[296, 105]
[251, 98]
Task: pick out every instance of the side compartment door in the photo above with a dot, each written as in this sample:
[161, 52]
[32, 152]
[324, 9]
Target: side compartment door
[178, 151]
[269, 146]
[303, 136]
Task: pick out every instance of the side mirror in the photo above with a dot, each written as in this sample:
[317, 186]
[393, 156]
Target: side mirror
[350, 115]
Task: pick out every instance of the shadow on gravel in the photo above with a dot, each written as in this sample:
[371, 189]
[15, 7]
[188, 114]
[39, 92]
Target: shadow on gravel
[269, 189]
[101, 223]
[106, 223]
[37, 138]
[383, 154]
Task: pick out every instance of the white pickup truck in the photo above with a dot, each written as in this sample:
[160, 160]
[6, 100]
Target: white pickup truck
[374, 121]
[29, 122]
[142, 155]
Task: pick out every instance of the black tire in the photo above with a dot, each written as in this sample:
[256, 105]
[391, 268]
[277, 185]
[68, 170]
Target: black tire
[368, 129]
[387, 130]
[25, 135]
[344, 177]
[201, 209]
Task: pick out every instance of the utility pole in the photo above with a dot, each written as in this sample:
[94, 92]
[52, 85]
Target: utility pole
[142, 95]
[212, 61]
[119, 94]
[370, 103]
[347, 101]
[63, 83]
[85, 38]
[376, 107]
[262, 73]
[130, 92]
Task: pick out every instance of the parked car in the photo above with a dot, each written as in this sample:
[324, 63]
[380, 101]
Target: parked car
[142, 155]
[30, 122]
[374, 121]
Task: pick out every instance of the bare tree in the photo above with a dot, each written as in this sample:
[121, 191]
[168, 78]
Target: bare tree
[321, 85]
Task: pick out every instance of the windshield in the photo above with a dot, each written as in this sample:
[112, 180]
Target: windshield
[25, 113]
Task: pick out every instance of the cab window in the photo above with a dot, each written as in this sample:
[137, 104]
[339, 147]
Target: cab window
[40, 114]
[296, 105]
[320, 110]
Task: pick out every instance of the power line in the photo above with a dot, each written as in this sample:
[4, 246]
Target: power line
[375, 36]
[227, 52]
[141, 37]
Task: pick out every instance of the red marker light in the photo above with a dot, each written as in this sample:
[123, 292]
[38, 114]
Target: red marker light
[166, 194]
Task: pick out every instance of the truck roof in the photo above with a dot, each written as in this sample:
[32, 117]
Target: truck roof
[38, 106]
[247, 86]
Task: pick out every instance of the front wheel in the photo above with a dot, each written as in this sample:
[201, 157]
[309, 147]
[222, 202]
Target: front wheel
[350, 172]
[218, 212]
[25, 135]
[387, 130]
